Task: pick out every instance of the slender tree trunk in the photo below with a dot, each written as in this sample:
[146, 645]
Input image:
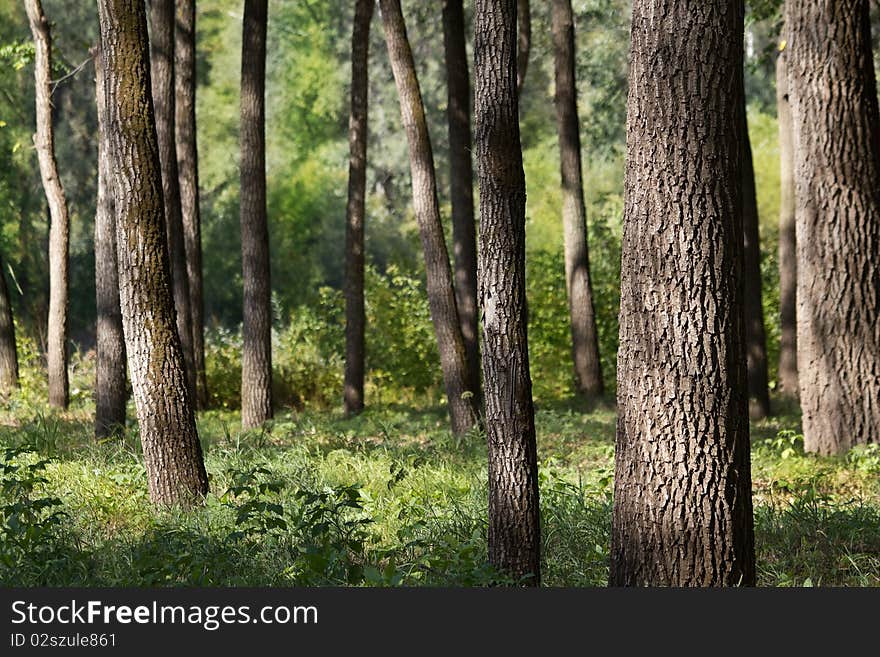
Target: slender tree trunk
[162, 71]
[682, 488]
[355, 318]
[8, 352]
[788, 374]
[523, 43]
[256, 356]
[59, 222]
[441, 295]
[836, 122]
[753, 306]
[514, 520]
[461, 175]
[584, 338]
[110, 388]
[172, 452]
[188, 171]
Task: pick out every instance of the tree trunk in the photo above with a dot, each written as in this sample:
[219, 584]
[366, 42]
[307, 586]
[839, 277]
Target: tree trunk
[44, 140]
[788, 374]
[188, 172]
[162, 71]
[584, 338]
[441, 295]
[682, 488]
[833, 95]
[514, 521]
[523, 43]
[753, 307]
[461, 175]
[110, 376]
[8, 352]
[256, 350]
[172, 452]
[355, 318]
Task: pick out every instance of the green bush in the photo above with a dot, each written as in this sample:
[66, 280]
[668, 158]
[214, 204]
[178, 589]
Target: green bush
[308, 352]
[549, 327]
[401, 349]
[34, 545]
[306, 358]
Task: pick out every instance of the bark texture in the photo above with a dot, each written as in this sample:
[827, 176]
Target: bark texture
[162, 70]
[461, 175]
[172, 452]
[514, 520]
[836, 122]
[355, 317]
[584, 337]
[110, 375]
[8, 351]
[523, 42]
[682, 488]
[753, 307]
[441, 294]
[256, 352]
[59, 222]
[788, 374]
[188, 175]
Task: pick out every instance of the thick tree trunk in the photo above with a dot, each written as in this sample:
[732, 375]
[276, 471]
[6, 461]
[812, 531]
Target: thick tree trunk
[59, 223]
[110, 376]
[188, 171]
[172, 452]
[682, 489]
[461, 175]
[256, 350]
[162, 72]
[355, 318]
[753, 307]
[788, 374]
[523, 43]
[836, 122]
[8, 352]
[514, 520]
[584, 338]
[441, 294]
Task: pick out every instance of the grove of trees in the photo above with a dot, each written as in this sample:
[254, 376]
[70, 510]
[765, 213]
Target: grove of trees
[671, 225]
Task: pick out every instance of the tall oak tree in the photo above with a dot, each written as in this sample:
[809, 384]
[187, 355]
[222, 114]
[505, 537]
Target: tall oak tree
[833, 94]
[682, 488]
[172, 451]
[514, 514]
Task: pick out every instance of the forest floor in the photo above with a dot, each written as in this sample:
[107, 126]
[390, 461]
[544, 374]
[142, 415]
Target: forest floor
[387, 498]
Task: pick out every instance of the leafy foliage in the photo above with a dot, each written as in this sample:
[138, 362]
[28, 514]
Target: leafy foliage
[31, 520]
[388, 498]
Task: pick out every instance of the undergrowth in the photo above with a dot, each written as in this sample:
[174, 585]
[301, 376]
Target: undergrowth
[389, 498]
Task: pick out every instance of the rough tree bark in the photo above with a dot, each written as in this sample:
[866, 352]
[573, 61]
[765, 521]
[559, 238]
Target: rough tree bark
[461, 175]
[188, 173]
[162, 71]
[523, 43]
[256, 351]
[584, 337]
[8, 351]
[753, 307]
[788, 375]
[110, 375]
[682, 489]
[355, 318]
[441, 295]
[514, 521]
[59, 221]
[836, 122]
[172, 452]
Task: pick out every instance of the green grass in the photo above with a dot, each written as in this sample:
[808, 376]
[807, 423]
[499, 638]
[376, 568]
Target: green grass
[384, 499]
